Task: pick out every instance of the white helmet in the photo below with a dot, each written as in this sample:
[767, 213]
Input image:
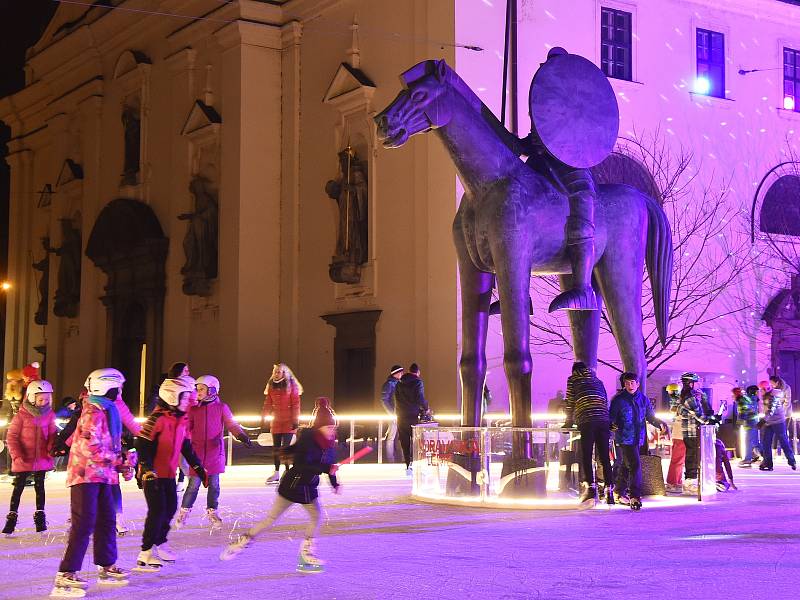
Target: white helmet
[36, 387]
[100, 381]
[171, 389]
[209, 381]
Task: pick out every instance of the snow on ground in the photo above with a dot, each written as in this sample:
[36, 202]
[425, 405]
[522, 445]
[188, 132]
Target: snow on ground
[379, 543]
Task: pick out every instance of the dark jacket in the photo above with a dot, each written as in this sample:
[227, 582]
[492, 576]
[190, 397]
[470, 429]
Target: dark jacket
[586, 402]
[409, 399]
[387, 393]
[309, 460]
[630, 413]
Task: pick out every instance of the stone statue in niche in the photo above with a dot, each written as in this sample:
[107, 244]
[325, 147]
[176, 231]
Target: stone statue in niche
[43, 266]
[68, 294]
[201, 242]
[131, 121]
[351, 194]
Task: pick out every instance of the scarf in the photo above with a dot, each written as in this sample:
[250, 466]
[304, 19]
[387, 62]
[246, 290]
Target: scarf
[209, 400]
[35, 410]
[114, 421]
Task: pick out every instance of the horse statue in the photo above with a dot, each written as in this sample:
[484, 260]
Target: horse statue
[510, 224]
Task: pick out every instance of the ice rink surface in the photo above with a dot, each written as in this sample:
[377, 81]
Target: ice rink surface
[379, 543]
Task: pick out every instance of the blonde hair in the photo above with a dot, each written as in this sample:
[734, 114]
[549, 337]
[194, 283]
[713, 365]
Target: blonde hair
[291, 380]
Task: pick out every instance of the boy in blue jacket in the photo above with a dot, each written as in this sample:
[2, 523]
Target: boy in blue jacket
[629, 413]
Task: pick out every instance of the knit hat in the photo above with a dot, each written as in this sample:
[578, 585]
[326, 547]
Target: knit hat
[395, 369]
[323, 413]
[31, 371]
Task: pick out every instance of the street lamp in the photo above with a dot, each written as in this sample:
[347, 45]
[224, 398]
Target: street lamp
[5, 286]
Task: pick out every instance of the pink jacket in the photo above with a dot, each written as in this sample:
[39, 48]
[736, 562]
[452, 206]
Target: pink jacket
[30, 438]
[127, 418]
[207, 423]
[92, 458]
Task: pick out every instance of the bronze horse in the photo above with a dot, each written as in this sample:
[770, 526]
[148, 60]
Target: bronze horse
[510, 224]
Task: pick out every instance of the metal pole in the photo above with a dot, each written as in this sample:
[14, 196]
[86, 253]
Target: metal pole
[230, 450]
[352, 437]
[380, 442]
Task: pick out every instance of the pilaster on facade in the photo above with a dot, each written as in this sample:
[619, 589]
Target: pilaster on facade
[244, 33]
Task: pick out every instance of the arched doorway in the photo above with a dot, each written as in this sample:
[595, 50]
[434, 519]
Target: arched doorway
[129, 246]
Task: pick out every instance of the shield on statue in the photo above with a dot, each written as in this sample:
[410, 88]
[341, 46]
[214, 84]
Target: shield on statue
[574, 110]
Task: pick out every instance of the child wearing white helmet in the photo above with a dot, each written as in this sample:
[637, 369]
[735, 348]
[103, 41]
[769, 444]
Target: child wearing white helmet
[207, 423]
[30, 437]
[95, 461]
[161, 442]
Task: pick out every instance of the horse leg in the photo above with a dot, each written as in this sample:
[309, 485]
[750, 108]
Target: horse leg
[620, 284]
[585, 328]
[476, 295]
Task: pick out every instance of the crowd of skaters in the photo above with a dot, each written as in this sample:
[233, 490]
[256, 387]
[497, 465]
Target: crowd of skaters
[620, 428]
[187, 422]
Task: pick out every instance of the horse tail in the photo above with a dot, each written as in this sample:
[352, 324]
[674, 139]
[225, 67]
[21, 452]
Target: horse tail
[659, 264]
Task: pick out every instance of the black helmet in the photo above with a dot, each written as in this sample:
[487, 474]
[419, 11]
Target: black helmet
[689, 376]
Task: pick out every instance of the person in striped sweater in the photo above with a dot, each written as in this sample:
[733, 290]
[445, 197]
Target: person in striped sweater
[587, 407]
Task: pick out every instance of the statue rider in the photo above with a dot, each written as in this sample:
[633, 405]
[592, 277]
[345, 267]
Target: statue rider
[579, 186]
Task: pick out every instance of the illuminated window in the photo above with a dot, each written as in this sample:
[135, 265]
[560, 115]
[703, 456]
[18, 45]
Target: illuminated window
[791, 79]
[615, 43]
[710, 63]
[780, 211]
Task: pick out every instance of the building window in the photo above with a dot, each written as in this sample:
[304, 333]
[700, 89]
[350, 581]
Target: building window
[791, 79]
[780, 211]
[710, 63]
[616, 56]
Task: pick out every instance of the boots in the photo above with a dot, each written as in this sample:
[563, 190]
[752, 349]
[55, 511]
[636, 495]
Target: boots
[308, 562]
[183, 515]
[610, 495]
[581, 296]
[213, 517]
[636, 503]
[11, 523]
[40, 521]
[588, 495]
[148, 562]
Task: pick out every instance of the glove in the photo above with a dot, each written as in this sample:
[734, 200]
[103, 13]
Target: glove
[59, 449]
[201, 473]
[144, 474]
[243, 437]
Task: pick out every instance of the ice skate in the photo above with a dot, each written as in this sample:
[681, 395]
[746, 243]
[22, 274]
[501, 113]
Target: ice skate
[147, 562]
[307, 562]
[183, 515]
[112, 576]
[122, 525]
[40, 521]
[674, 489]
[636, 503]
[765, 468]
[165, 553]
[274, 478]
[213, 517]
[60, 591]
[745, 464]
[588, 496]
[621, 499]
[409, 471]
[70, 580]
[723, 486]
[690, 486]
[11, 523]
[236, 548]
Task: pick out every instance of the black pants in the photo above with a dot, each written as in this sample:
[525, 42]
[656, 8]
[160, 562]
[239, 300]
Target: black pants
[19, 485]
[594, 436]
[92, 512]
[629, 471]
[692, 451]
[404, 433]
[279, 440]
[162, 502]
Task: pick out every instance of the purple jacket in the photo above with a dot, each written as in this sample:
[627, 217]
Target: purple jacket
[207, 423]
[30, 438]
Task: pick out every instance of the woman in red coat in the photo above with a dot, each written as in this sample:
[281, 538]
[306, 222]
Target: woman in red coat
[282, 402]
[31, 436]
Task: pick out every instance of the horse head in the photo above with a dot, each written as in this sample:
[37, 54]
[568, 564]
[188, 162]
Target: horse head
[419, 108]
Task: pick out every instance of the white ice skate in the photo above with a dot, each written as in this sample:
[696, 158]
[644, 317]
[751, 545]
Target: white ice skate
[274, 478]
[165, 553]
[122, 525]
[183, 515]
[112, 576]
[147, 562]
[60, 591]
[69, 579]
[236, 548]
[690, 486]
[213, 518]
[307, 562]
